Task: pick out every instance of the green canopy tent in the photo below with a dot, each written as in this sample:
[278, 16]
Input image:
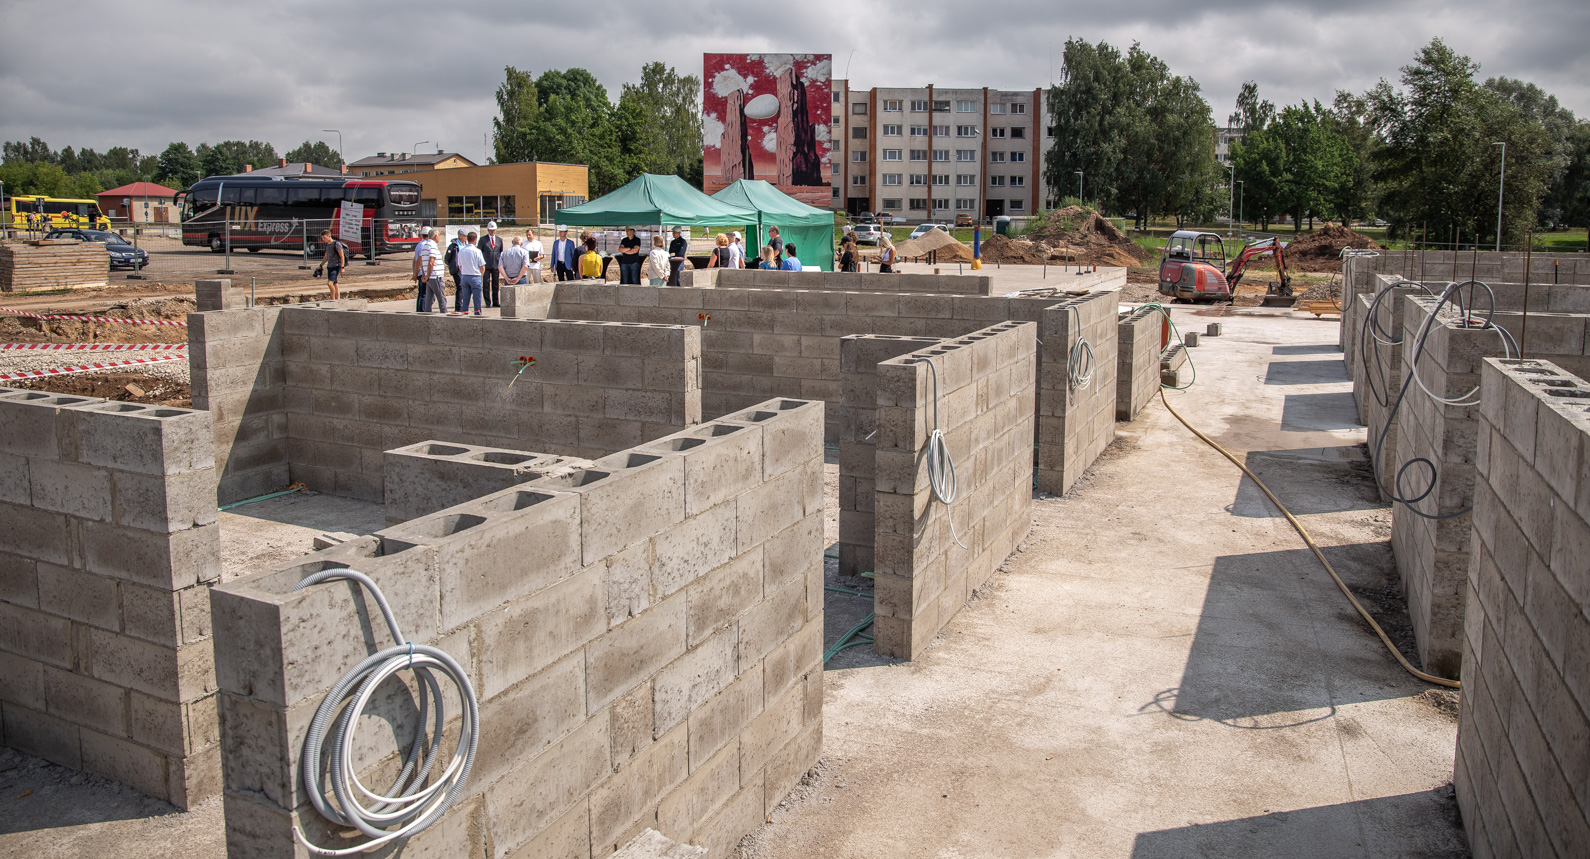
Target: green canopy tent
[650, 199]
[810, 229]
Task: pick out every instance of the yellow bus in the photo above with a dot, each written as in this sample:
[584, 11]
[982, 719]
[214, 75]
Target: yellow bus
[33, 211]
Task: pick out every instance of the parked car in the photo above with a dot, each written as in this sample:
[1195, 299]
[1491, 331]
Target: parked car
[963, 220]
[122, 253]
[868, 233]
[889, 220]
[922, 229]
[864, 217]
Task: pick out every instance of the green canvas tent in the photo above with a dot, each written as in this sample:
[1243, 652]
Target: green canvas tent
[651, 199]
[811, 230]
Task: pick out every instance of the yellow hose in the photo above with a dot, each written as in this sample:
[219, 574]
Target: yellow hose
[1314, 547]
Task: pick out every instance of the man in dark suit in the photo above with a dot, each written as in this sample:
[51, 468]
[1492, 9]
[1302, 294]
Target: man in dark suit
[491, 248]
[564, 256]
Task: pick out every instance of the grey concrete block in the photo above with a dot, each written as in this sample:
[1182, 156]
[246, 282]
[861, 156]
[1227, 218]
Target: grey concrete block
[633, 651]
[532, 632]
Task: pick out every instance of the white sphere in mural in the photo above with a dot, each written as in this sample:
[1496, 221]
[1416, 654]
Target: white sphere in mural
[764, 106]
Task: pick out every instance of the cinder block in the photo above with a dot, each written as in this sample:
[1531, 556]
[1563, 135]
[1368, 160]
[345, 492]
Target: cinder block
[40, 734]
[633, 651]
[691, 549]
[142, 769]
[85, 701]
[538, 791]
[533, 631]
[518, 722]
[689, 681]
[720, 596]
[35, 635]
[155, 441]
[708, 787]
[78, 596]
[723, 717]
[623, 498]
[635, 788]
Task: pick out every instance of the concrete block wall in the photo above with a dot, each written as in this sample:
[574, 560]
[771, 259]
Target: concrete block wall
[1075, 425]
[928, 557]
[1377, 376]
[645, 637]
[1522, 773]
[108, 547]
[434, 475]
[359, 383]
[1507, 267]
[751, 278]
[859, 355]
[1139, 336]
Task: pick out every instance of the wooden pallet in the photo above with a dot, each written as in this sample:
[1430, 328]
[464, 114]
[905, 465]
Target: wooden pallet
[26, 266]
[1319, 308]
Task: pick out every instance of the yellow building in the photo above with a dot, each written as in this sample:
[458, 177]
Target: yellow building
[523, 192]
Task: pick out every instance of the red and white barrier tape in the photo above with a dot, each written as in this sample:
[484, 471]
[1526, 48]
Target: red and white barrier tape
[108, 365]
[95, 347]
[94, 318]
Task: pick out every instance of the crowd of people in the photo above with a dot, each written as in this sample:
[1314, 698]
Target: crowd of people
[480, 265]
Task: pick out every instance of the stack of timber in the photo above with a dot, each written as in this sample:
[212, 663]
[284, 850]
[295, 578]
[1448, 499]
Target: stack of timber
[26, 266]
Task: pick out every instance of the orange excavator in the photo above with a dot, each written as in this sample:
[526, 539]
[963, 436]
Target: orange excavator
[1193, 267]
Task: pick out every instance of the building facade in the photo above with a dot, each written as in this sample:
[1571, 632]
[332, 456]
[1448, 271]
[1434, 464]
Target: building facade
[389, 163]
[139, 202]
[932, 154]
[523, 192]
[1224, 137]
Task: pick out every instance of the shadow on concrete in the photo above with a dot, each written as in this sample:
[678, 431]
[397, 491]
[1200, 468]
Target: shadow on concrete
[1318, 412]
[1305, 373]
[1307, 349]
[1262, 658]
[319, 511]
[1348, 829]
[1307, 480]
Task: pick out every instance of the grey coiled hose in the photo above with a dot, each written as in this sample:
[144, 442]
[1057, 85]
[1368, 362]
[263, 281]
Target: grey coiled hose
[1079, 370]
[408, 804]
[941, 468]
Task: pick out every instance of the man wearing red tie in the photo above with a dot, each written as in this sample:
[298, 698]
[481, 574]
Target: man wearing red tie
[491, 248]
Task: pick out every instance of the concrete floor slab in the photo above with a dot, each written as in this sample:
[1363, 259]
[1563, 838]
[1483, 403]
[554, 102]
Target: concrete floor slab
[257, 535]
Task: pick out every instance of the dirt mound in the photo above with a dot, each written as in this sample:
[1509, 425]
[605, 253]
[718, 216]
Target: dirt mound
[1007, 251]
[113, 386]
[1325, 245]
[1077, 232]
[938, 242]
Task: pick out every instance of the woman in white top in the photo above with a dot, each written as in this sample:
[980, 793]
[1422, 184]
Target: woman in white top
[657, 262]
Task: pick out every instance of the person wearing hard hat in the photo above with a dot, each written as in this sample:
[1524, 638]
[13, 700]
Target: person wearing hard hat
[491, 249]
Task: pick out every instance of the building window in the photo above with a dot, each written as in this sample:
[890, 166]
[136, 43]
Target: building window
[1018, 181]
[836, 193]
[996, 158]
[837, 97]
[965, 131]
[996, 132]
[1049, 132]
[918, 178]
[941, 155]
[965, 106]
[1018, 109]
[966, 155]
[941, 131]
[858, 180]
[919, 131]
[966, 179]
[835, 123]
[941, 106]
[891, 178]
[859, 108]
[833, 168]
[858, 133]
[1018, 157]
[919, 106]
[919, 155]
[918, 203]
[996, 109]
[892, 130]
[996, 181]
[965, 205]
[941, 178]
[892, 154]
[891, 202]
[1018, 205]
[941, 203]
[858, 157]
[892, 105]
[1018, 132]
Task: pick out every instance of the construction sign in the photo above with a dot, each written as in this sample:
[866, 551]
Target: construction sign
[350, 223]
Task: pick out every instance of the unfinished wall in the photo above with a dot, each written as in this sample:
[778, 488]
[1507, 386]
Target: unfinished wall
[645, 637]
[1522, 773]
[929, 558]
[352, 384]
[859, 355]
[752, 278]
[1139, 342]
[1507, 267]
[1075, 423]
[1377, 376]
[108, 544]
[434, 475]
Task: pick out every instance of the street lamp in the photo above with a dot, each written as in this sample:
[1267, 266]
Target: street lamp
[337, 132]
[1231, 197]
[417, 146]
[1239, 201]
[1079, 187]
[1501, 189]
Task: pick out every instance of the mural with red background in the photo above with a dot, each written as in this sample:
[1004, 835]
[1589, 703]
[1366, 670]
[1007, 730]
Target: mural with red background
[766, 116]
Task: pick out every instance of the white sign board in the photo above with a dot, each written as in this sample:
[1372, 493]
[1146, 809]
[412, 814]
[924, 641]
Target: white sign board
[450, 232]
[350, 222]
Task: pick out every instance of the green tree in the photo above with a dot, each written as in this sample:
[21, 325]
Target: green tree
[1559, 123]
[1575, 194]
[518, 102]
[231, 156]
[665, 134]
[178, 166]
[315, 152]
[34, 150]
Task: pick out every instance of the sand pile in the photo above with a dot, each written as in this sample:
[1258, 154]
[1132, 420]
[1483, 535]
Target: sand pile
[1008, 251]
[1322, 249]
[938, 242]
[1096, 240]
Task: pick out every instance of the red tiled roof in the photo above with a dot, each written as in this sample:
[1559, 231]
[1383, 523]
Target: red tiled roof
[139, 189]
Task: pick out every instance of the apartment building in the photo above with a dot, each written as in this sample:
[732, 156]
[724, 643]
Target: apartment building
[932, 153]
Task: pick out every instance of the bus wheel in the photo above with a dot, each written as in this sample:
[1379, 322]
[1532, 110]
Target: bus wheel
[253, 250]
[216, 245]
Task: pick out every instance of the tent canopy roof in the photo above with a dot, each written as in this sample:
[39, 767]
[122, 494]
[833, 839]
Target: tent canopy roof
[654, 199]
[774, 205]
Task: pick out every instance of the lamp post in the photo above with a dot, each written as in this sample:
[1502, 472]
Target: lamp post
[1231, 197]
[1501, 189]
[1239, 200]
[1079, 187]
[417, 146]
[338, 132]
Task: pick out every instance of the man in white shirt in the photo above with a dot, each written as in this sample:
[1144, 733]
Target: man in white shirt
[533, 249]
[736, 251]
[429, 268]
[471, 266]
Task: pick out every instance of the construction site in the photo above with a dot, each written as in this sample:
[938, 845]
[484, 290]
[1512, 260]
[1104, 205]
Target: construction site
[1018, 558]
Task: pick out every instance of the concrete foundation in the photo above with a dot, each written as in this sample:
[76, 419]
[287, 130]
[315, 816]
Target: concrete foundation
[1522, 758]
[1139, 342]
[645, 636]
[108, 545]
[434, 475]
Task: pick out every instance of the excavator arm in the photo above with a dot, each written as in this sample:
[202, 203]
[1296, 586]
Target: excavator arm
[1263, 247]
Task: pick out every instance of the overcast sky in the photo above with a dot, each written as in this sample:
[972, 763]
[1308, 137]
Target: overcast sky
[396, 73]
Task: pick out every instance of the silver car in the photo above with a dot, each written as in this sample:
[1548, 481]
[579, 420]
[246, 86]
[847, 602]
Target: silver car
[868, 233]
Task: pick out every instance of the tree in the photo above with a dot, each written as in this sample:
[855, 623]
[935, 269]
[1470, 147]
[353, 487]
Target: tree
[34, 150]
[1575, 194]
[1559, 123]
[178, 166]
[666, 132]
[315, 152]
[518, 102]
[231, 156]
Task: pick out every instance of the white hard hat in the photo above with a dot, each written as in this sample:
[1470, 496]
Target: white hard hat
[491, 225]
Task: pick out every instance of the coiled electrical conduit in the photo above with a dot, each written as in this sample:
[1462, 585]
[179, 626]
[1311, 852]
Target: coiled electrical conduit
[408, 803]
[941, 468]
[1079, 368]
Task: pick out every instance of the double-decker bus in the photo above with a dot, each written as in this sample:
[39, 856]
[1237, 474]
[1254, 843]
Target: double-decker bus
[288, 213]
[49, 213]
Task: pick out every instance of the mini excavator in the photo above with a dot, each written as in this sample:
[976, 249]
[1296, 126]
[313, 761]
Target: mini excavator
[1193, 267]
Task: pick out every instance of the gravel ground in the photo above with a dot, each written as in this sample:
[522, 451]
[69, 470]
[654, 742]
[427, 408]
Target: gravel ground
[19, 361]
